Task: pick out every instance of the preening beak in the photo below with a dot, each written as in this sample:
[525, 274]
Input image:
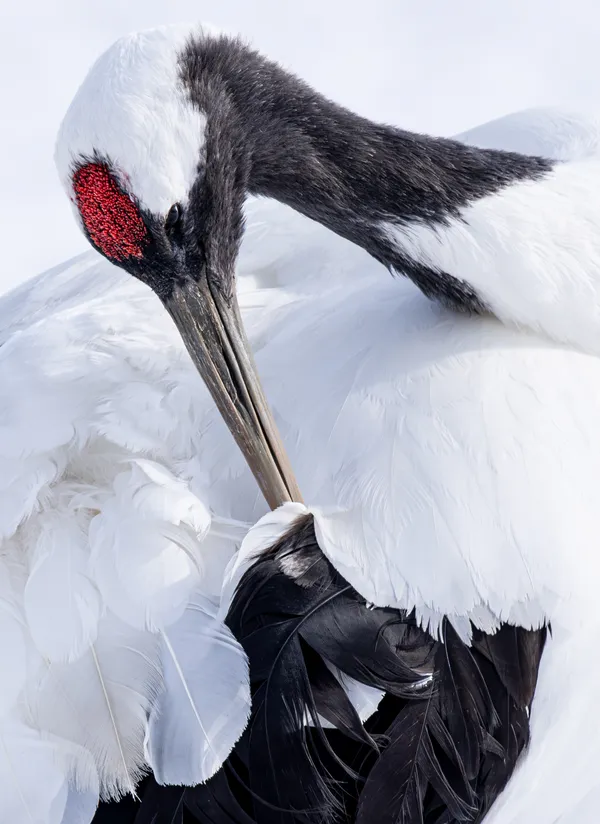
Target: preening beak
[213, 333]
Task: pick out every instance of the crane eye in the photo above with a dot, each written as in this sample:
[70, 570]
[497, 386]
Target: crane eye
[174, 216]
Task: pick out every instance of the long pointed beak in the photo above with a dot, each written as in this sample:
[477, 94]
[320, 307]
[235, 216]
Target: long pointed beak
[213, 333]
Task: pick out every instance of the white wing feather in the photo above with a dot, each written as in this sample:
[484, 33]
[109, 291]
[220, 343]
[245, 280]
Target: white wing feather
[59, 585]
[80, 807]
[204, 707]
[41, 776]
[23, 482]
[14, 642]
[101, 701]
[145, 546]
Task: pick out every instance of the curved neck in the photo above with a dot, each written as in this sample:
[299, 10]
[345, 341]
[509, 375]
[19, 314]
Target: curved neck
[366, 181]
[336, 166]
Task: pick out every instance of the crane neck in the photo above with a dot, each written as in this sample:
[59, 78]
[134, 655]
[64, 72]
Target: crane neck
[456, 219]
[361, 179]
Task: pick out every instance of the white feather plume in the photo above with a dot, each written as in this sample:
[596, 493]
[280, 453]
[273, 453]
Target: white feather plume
[22, 482]
[144, 545]
[14, 642]
[59, 586]
[143, 575]
[80, 806]
[102, 700]
[204, 707]
[42, 777]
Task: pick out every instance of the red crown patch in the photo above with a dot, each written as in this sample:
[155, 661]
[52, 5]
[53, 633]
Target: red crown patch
[111, 218]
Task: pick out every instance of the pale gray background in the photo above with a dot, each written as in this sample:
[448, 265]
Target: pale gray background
[432, 65]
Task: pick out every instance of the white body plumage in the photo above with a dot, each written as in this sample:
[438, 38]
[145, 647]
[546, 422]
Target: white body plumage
[460, 457]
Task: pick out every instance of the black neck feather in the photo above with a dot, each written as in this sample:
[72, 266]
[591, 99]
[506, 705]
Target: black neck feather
[347, 172]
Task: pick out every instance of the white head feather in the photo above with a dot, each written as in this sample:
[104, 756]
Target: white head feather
[133, 109]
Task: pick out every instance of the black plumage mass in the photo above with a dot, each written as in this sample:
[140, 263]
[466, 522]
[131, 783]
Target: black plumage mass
[440, 748]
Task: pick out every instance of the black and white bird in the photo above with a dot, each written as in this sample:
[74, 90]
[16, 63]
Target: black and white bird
[447, 459]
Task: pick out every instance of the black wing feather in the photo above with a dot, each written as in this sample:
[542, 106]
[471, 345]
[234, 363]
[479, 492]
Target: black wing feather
[515, 653]
[439, 750]
[222, 800]
[154, 805]
[471, 710]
